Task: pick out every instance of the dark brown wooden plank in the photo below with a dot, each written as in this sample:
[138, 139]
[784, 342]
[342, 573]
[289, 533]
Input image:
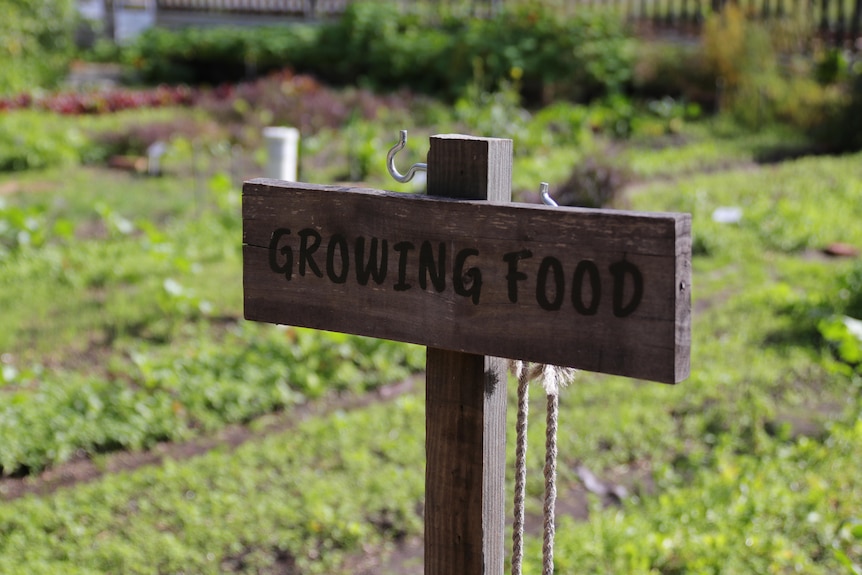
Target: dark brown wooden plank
[611, 248]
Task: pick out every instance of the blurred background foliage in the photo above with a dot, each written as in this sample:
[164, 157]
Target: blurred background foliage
[36, 43]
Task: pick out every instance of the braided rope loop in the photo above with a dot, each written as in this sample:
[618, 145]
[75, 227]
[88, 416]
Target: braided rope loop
[520, 468]
[550, 485]
[553, 378]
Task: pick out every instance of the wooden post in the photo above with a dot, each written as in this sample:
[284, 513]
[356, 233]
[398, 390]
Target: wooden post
[466, 397]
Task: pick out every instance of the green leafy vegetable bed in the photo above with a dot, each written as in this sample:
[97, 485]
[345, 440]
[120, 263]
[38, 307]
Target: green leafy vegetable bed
[122, 331]
[296, 500]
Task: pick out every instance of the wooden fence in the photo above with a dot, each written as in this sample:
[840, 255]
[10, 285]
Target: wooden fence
[838, 21]
[297, 8]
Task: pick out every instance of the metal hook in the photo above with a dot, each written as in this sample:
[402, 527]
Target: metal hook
[546, 195]
[390, 161]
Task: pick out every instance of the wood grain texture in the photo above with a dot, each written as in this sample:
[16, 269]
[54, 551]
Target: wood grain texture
[652, 342]
[465, 443]
[682, 305]
[465, 398]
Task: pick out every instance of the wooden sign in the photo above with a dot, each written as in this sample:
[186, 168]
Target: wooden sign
[599, 290]
[475, 278]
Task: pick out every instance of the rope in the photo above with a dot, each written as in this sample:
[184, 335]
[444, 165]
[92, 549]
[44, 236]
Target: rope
[520, 467]
[552, 379]
[550, 485]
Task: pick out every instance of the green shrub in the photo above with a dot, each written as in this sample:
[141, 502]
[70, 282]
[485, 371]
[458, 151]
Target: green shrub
[372, 43]
[378, 45]
[217, 55]
[36, 42]
[754, 89]
[582, 57]
[667, 69]
[831, 66]
[33, 140]
[842, 130]
[729, 48]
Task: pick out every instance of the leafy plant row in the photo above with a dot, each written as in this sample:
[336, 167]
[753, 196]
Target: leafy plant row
[172, 397]
[376, 44]
[298, 501]
[101, 102]
[337, 486]
[237, 114]
[793, 508]
[178, 362]
[34, 139]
